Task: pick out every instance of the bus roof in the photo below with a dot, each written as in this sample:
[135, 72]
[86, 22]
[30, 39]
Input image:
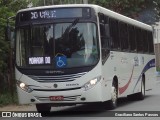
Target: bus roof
[98, 9]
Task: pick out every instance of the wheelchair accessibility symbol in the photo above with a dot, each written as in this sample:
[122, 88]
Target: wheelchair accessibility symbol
[61, 61]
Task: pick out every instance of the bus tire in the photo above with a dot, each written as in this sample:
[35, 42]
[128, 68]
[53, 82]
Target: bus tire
[112, 104]
[141, 95]
[43, 108]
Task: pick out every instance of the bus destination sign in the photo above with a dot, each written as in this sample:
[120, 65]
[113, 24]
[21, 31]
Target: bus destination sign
[60, 13]
[55, 14]
[39, 60]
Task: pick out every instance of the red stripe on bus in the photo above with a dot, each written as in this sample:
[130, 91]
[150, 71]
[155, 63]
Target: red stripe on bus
[123, 89]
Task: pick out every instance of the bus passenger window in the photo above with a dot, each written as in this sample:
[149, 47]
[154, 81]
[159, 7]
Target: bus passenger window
[132, 39]
[150, 37]
[146, 42]
[139, 40]
[114, 33]
[105, 40]
[123, 29]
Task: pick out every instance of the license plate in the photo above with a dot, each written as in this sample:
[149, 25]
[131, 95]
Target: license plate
[56, 98]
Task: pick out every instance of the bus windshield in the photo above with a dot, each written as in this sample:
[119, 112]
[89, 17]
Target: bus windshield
[59, 45]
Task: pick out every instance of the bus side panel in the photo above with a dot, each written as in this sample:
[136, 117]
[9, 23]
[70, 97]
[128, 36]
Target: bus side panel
[149, 72]
[107, 76]
[143, 65]
[118, 65]
[126, 72]
[113, 68]
[128, 68]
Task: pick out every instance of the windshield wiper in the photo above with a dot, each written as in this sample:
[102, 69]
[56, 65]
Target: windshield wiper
[68, 29]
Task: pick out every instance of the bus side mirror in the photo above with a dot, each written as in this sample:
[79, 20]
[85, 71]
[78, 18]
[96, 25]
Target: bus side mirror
[10, 31]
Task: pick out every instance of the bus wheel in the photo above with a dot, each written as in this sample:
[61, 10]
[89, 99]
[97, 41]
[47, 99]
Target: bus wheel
[114, 96]
[141, 95]
[43, 108]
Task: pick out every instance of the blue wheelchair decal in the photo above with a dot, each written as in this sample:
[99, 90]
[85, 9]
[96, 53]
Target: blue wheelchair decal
[61, 61]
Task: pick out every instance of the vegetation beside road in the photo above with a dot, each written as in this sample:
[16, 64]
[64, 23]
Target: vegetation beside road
[6, 99]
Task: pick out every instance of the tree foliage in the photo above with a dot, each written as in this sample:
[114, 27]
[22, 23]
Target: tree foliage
[126, 7]
[157, 4]
[8, 8]
[53, 2]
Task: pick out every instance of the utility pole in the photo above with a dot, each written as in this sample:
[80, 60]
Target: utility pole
[10, 38]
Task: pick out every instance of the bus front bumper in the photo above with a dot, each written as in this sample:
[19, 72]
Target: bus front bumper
[71, 96]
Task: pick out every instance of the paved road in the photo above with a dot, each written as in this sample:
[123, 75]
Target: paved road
[90, 112]
[150, 103]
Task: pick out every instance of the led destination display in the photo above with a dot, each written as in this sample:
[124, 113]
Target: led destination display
[39, 60]
[54, 14]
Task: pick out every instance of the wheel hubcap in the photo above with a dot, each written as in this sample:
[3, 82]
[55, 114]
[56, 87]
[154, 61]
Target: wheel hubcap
[114, 95]
[143, 89]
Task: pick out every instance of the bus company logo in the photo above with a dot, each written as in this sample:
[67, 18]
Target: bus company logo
[54, 72]
[136, 61]
[55, 85]
[74, 84]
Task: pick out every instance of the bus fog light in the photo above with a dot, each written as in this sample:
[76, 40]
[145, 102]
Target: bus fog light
[91, 83]
[24, 87]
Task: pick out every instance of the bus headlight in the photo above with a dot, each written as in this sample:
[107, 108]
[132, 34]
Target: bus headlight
[24, 87]
[91, 83]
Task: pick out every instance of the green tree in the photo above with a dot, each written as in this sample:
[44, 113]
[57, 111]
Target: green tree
[157, 4]
[8, 8]
[126, 7]
[53, 2]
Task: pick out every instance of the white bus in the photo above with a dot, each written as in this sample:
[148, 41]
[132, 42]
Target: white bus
[81, 54]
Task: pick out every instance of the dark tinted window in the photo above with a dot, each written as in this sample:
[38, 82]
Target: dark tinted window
[114, 32]
[132, 38]
[139, 40]
[105, 36]
[123, 29]
[150, 37]
[146, 42]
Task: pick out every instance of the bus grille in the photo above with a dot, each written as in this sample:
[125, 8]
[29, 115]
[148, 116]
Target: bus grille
[66, 98]
[57, 78]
